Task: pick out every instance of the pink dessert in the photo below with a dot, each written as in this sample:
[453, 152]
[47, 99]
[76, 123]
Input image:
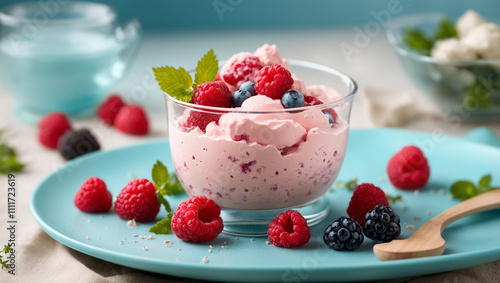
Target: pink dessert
[261, 155]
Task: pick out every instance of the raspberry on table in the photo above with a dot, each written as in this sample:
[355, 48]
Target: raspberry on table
[382, 224]
[273, 81]
[408, 169]
[215, 94]
[138, 201]
[108, 110]
[51, 128]
[197, 219]
[343, 234]
[77, 143]
[241, 69]
[364, 198]
[289, 230]
[93, 196]
[132, 120]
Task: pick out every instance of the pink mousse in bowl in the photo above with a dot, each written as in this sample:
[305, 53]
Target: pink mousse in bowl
[261, 156]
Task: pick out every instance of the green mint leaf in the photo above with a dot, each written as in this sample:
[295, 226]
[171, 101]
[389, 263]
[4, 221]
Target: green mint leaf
[485, 181]
[6, 248]
[446, 29]
[463, 190]
[478, 95]
[207, 68]
[4, 263]
[163, 226]
[8, 159]
[393, 199]
[175, 186]
[159, 174]
[176, 82]
[418, 41]
[163, 201]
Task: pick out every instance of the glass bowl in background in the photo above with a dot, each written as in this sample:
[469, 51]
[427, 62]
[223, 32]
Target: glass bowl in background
[63, 56]
[465, 89]
[245, 164]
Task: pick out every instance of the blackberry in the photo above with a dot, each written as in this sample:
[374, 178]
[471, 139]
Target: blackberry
[343, 234]
[77, 143]
[382, 224]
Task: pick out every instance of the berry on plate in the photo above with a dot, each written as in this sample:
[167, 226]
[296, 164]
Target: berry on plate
[273, 81]
[138, 201]
[132, 120]
[292, 99]
[197, 219]
[343, 234]
[364, 198]
[289, 230]
[93, 196]
[408, 169]
[108, 110]
[77, 143]
[51, 128]
[382, 224]
[240, 68]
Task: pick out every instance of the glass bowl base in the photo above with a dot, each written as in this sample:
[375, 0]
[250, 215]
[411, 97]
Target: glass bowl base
[254, 223]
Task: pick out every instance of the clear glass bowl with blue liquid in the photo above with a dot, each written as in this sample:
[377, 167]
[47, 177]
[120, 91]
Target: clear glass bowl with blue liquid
[63, 56]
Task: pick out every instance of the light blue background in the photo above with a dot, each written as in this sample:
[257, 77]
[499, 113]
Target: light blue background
[167, 14]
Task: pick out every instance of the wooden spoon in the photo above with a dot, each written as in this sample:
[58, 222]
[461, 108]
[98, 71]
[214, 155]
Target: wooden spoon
[427, 240]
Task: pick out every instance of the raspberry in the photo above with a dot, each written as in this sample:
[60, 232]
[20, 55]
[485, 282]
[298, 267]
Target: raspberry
[343, 234]
[77, 143]
[212, 94]
[51, 128]
[408, 169]
[201, 119]
[364, 198]
[289, 230]
[332, 115]
[108, 110]
[93, 196]
[273, 81]
[240, 69]
[197, 219]
[137, 200]
[132, 120]
[382, 224]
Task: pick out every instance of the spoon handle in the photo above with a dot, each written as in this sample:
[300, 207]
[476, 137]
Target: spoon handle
[483, 202]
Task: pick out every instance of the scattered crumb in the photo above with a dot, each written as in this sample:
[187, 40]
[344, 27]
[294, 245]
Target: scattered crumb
[267, 242]
[150, 237]
[167, 242]
[132, 222]
[211, 246]
[88, 238]
[340, 184]
[210, 251]
[89, 221]
[431, 191]
[428, 213]
[136, 235]
[100, 216]
[144, 248]
[450, 196]
[441, 192]
[251, 240]
[404, 207]
[225, 243]
[142, 237]
[131, 175]
[381, 179]
[168, 246]
[416, 193]
[411, 227]
[179, 249]
[121, 242]
[205, 260]
[128, 242]
[219, 251]
[416, 218]
[134, 242]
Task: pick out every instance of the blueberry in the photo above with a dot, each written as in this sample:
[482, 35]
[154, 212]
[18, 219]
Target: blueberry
[239, 96]
[292, 99]
[249, 86]
[330, 118]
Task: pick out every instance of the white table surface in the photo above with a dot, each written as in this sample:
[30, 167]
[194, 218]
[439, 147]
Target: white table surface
[375, 65]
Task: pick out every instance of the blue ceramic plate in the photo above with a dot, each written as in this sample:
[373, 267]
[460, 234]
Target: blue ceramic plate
[471, 241]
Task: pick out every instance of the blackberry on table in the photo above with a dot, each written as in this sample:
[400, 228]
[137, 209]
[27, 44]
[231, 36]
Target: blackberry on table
[77, 143]
[382, 224]
[343, 234]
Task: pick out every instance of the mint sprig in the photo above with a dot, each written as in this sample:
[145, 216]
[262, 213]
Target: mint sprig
[464, 189]
[6, 249]
[8, 158]
[178, 82]
[166, 185]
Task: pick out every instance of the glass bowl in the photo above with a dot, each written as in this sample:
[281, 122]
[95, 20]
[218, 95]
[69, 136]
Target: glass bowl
[467, 90]
[257, 163]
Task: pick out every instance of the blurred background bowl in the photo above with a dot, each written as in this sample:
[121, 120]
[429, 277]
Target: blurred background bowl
[469, 89]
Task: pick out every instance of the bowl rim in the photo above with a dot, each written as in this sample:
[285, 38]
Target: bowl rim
[293, 62]
[394, 27]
